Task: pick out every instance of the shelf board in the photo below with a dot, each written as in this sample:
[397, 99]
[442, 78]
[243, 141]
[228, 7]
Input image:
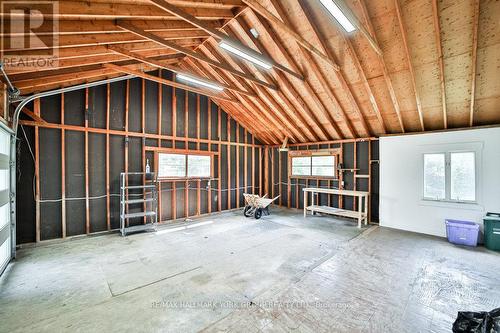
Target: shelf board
[140, 227]
[335, 211]
[139, 214]
[136, 201]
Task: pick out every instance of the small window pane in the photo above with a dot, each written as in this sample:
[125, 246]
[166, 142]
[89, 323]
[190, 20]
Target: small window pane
[434, 176]
[323, 166]
[199, 166]
[463, 176]
[301, 166]
[171, 165]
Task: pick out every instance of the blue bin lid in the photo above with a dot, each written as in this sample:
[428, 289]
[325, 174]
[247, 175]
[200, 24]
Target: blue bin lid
[462, 224]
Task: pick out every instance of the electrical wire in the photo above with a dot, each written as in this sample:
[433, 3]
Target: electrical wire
[139, 194]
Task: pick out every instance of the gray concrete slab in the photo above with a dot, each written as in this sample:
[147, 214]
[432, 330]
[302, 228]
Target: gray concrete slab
[279, 274]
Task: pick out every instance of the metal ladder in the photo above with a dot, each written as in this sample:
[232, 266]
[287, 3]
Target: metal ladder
[147, 200]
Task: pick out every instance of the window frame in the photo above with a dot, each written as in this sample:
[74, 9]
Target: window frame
[447, 154]
[298, 153]
[185, 153]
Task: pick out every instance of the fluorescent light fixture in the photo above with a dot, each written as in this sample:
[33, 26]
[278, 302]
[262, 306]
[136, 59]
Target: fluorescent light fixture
[332, 7]
[200, 82]
[248, 54]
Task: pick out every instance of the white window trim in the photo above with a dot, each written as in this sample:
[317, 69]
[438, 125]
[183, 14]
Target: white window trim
[186, 159]
[335, 161]
[447, 149]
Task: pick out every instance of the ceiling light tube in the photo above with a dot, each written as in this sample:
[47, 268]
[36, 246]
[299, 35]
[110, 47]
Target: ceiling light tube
[249, 55]
[337, 13]
[200, 82]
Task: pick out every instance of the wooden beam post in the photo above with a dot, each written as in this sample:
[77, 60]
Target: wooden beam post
[36, 110]
[63, 172]
[108, 196]
[87, 201]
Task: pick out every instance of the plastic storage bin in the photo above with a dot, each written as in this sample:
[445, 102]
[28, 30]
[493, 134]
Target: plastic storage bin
[462, 232]
[492, 231]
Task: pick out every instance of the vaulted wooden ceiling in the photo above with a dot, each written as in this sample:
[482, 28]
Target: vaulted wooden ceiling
[412, 65]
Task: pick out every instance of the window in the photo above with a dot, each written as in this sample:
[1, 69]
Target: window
[198, 166]
[434, 176]
[171, 165]
[319, 165]
[301, 166]
[177, 165]
[450, 176]
[463, 176]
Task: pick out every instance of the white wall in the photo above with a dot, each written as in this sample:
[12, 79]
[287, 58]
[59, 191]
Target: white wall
[401, 180]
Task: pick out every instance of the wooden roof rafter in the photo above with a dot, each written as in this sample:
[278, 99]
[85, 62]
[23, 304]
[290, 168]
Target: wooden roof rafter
[416, 94]
[171, 68]
[383, 65]
[340, 76]
[355, 21]
[439, 47]
[223, 58]
[243, 34]
[239, 115]
[141, 74]
[87, 27]
[285, 83]
[475, 38]
[190, 53]
[216, 34]
[81, 10]
[208, 71]
[325, 111]
[258, 8]
[264, 94]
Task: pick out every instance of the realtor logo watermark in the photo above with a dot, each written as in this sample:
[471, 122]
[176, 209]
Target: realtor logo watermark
[30, 34]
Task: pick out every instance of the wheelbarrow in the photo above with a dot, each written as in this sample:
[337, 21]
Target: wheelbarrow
[257, 206]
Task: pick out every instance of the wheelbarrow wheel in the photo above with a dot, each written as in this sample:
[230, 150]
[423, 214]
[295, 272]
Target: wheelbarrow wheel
[247, 211]
[258, 213]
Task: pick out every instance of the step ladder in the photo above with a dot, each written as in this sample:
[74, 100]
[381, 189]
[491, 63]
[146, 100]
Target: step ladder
[138, 202]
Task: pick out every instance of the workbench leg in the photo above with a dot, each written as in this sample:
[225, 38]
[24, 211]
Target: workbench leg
[312, 202]
[360, 210]
[366, 210]
[305, 203]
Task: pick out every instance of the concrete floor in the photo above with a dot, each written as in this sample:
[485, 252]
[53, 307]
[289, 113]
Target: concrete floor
[281, 273]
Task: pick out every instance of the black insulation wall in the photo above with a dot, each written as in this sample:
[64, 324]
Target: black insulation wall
[144, 96]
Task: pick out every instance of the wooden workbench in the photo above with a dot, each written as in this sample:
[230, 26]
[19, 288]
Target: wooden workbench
[361, 214]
